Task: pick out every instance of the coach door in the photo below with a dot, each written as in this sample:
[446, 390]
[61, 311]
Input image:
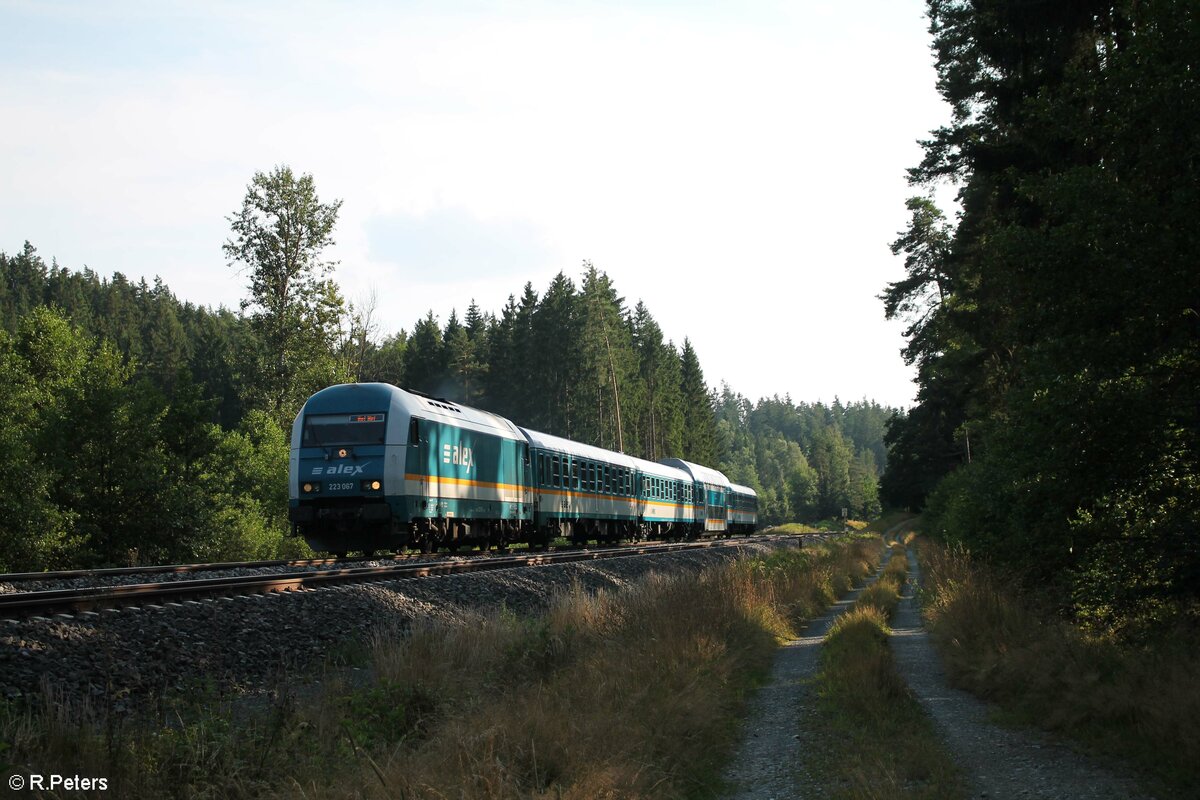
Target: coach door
[526, 482]
[425, 468]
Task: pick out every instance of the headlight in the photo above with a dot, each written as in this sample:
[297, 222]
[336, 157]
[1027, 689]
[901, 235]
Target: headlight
[371, 486]
[310, 488]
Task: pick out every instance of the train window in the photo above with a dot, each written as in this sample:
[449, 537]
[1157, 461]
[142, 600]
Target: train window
[414, 435]
[322, 430]
[556, 474]
[574, 474]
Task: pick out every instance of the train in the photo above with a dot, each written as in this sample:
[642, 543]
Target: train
[375, 467]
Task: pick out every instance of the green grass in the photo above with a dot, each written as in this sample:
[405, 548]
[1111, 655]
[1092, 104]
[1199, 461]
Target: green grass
[822, 526]
[889, 521]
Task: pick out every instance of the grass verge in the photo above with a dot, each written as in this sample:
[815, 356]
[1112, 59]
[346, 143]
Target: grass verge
[1139, 703]
[824, 526]
[876, 740]
[632, 694]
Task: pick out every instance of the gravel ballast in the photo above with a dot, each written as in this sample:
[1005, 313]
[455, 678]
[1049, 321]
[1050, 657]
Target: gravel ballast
[119, 658]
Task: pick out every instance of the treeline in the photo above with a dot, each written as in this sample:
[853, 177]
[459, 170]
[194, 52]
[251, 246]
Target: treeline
[1055, 325]
[98, 465]
[138, 428]
[807, 461]
[576, 362]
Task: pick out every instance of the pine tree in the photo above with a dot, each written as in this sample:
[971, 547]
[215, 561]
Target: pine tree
[699, 422]
[424, 360]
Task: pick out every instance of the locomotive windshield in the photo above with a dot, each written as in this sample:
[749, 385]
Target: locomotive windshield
[321, 430]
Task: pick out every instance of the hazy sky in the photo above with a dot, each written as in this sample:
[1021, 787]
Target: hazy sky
[738, 166]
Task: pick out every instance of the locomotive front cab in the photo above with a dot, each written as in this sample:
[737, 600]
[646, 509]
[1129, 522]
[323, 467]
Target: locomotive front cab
[340, 483]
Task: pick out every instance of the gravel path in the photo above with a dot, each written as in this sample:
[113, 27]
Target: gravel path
[999, 762]
[769, 764]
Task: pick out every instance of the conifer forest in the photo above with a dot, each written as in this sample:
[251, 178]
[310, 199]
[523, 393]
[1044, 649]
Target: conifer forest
[139, 428]
[1054, 322]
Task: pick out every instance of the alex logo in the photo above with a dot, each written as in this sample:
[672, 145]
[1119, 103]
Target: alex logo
[341, 469]
[458, 455]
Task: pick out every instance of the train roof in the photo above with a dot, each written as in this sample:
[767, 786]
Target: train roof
[557, 443]
[699, 472]
[352, 398]
[743, 489]
[661, 470]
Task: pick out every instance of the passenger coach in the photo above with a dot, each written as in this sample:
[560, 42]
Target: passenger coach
[582, 492]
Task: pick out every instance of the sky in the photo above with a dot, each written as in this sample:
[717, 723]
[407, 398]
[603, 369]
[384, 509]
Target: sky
[738, 166]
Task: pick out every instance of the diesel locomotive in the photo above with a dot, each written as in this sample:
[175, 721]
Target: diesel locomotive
[375, 467]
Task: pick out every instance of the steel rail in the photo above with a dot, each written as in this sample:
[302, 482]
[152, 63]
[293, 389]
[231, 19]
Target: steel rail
[86, 599]
[157, 569]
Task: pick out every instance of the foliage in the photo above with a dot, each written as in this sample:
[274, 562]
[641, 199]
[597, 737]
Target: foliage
[294, 310]
[1055, 327]
[122, 473]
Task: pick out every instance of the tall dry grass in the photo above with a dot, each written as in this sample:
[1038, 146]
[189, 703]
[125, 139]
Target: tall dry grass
[633, 694]
[876, 740]
[1134, 702]
[613, 695]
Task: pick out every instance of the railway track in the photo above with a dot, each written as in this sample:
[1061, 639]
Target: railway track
[175, 569]
[88, 599]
